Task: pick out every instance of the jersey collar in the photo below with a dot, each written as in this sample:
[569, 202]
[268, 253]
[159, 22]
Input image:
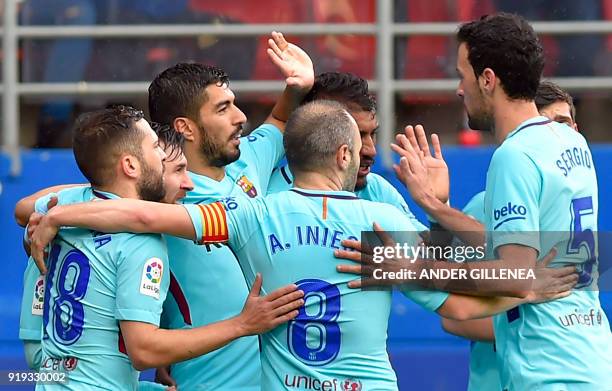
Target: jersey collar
[535, 121]
[342, 195]
[104, 195]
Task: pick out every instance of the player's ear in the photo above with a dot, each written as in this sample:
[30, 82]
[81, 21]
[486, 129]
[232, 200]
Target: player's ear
[487, 80]
[185, 126]
[343, 157]
[129, 166]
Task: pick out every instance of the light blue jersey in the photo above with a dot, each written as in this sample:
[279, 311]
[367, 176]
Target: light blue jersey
[338, 340]
[542, 192]
[95, 280]
[377, 189]
[207, 283]
[484, 372]
[30, 318]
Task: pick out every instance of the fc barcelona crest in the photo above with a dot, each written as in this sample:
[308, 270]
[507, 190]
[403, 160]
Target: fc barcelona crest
[247, 186]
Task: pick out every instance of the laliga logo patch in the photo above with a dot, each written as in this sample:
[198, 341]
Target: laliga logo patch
[351, 385]
[247, 186]
[509, 212]
[39, 296]
[152, 273]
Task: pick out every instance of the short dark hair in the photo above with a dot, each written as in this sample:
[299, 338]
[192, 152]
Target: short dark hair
[549, 93]
[172, 141]
[179, 91]
[508, 45]
[100, 138]
[314, 132]
[343, 87]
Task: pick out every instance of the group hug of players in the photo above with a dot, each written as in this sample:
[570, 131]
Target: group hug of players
[200, 239]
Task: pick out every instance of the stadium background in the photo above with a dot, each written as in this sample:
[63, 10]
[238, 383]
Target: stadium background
[403, 46]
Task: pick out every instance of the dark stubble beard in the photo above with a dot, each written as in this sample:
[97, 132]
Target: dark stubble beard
[482, 120]
[150, 186]
[213, 153]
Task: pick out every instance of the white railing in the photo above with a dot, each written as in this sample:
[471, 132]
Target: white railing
[384, 29]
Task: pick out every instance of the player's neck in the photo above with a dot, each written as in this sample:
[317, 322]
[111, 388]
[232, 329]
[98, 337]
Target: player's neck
[120, 189]
[510, 114]
[216, 173]
[316, 181]
[198, 165]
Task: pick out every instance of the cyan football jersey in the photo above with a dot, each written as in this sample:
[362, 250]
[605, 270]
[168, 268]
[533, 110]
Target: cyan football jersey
[338, 340]
[542, 192]
[207, 283]
[377, 189]
[95, 280]
[30, 318]
[484, 372]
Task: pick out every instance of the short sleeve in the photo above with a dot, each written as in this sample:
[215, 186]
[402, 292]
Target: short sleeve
[512, 199]
[40, 206]
[30, 318]
[475, 207]
[225, 222]
[264, 147]
[430, 300]
[143, 277]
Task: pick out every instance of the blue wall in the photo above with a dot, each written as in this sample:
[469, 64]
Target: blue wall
[424, 356]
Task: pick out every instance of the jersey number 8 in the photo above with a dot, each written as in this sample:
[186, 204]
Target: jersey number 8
[313, 337]
[72, 282]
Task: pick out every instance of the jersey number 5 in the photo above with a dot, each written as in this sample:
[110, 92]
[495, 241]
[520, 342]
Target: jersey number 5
[582, 236]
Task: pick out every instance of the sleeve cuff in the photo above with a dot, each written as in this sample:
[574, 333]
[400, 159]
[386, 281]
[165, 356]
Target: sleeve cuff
[30, 334]
[137, 316]
[430, 300]
[529, 239]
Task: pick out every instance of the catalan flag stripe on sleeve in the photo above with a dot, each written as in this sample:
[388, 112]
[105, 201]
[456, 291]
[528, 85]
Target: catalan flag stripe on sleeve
[215, 223]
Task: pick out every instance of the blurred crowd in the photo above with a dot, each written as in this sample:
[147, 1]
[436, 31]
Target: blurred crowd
[140, 59]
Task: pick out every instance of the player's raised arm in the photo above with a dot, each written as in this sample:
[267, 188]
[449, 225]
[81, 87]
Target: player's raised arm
[425, 176]
[296, 66]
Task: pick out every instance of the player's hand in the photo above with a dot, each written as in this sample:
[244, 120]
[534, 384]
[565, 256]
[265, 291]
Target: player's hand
[424, 175]
[40, 237]
[263, 313]
[294, 63]
[362, 254]
[412, 171]
[437, 170]
[162, 376]
[552, 283]
[36, 217]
